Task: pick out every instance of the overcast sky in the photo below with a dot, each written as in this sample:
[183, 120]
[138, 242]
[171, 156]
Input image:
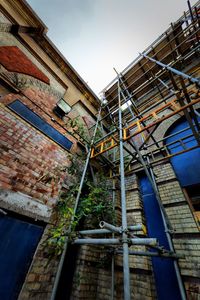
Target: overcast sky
[97, 35]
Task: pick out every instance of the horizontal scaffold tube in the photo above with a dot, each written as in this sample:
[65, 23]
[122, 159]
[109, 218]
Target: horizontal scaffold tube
[137, 227]
[110, 227]
[149, 253]
[135, 241]
[115, 229]
[94, 231]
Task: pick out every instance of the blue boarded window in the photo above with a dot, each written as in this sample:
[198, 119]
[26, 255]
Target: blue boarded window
[18, 243]
[32, 118]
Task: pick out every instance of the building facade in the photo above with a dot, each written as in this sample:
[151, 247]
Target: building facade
[40, 93]
[40, 97]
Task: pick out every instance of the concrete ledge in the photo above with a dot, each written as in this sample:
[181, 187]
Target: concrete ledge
[24, 205]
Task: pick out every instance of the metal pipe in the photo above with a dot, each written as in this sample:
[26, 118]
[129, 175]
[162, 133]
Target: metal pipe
[61, 262]
[137, 227]
[150, 107]
[173, 70]
[91, 241]
[166, 85]
[126, 270]
[105, 136]
[145, 241]
[129, 97]
[94, 231]
[110, 227]
[182, 104]
[113, 235]
[149, 253]
[114, 241]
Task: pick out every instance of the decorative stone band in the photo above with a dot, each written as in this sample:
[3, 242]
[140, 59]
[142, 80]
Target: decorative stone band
[23, 81]
[4, 27]
[24, 205]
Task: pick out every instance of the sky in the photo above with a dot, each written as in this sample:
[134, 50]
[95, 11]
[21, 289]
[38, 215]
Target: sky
[96, 36]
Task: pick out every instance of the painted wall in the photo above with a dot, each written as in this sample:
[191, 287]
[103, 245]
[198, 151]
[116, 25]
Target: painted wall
[186, 165]
[163, 269]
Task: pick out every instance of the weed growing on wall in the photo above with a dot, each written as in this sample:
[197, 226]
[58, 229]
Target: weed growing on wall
[79, 129]
[95, 205]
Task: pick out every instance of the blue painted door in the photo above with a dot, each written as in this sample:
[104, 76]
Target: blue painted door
[163, 268]
[18, 242]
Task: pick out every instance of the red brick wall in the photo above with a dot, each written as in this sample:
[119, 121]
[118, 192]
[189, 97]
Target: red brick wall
[26, 156]
[42, 103]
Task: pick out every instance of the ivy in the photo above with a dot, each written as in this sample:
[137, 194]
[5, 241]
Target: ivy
[95, 205]
[78, 128]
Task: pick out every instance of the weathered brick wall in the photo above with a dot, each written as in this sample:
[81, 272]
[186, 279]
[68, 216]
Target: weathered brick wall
[26, 156]
[40, 278]
[142, 286]
[186, 233]
[85, 281]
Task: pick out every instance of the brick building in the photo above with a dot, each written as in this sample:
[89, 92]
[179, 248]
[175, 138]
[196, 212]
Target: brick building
[38, 85]
[150, 121]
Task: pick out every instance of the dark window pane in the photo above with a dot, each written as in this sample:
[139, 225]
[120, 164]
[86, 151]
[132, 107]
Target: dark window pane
[28, 115]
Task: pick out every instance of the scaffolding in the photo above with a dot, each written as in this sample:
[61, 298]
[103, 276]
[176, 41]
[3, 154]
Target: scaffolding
[152, 89]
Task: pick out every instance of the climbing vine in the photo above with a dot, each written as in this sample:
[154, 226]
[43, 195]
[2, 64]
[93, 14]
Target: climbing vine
[78, 128]
[94, 206]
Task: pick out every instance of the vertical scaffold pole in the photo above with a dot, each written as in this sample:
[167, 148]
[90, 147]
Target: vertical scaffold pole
[126, 271]
[113, 235]
[61, 262]
[150, 174]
